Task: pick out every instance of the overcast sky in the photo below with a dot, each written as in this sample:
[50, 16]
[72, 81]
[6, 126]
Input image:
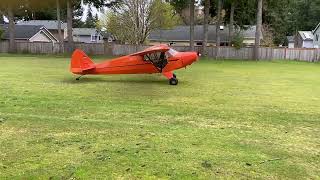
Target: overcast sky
[94, 12]
[86, 8]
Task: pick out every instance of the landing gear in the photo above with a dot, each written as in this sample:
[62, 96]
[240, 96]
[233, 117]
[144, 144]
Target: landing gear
[173, 81]
[171, 77]
[78, 78]
[174, 75]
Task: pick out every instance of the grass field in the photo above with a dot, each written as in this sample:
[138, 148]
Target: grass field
[225, 119]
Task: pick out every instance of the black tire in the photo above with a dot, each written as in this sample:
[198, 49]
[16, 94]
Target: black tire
[173, 81]
[174, 75]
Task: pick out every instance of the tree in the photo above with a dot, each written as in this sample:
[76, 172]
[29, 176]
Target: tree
[69, 25]
[77, 13]
[1, 33]
[218, 27]
[180, 6]
[192, 25]
[12, 44]
[9, 7]
[132, 20]
[231, 22]
[258, 31]
[205, 26]
[59, 26]
[237, 40]
[242, 12]
[91, 22]
[1, 18]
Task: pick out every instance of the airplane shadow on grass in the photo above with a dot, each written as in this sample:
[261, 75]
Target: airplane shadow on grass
[85, 80]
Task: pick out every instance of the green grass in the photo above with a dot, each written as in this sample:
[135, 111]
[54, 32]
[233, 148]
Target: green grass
[225, 119]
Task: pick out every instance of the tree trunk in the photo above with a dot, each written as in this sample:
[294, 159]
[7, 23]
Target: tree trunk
[258, 31]
[218, 28]
[192, 25]
[69, 20]
[59, 27]
[231, 24]
[1, 18]
[205, 27]
[12, 43]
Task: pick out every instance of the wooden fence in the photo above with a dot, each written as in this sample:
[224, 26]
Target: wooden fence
[310, 55]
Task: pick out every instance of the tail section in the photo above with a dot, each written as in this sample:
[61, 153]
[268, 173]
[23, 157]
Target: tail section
[80, 62]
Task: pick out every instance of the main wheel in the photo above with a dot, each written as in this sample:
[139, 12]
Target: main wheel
[173, 81]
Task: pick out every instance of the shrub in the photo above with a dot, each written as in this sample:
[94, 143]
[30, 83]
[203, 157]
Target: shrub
[238, 40]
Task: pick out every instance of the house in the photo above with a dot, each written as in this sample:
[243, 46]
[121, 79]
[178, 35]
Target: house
[26, 33]
[304, 39]
[290, 40]
[86, 35]
[51, 25]
[316, 35]
[180, 35]
[108, 37]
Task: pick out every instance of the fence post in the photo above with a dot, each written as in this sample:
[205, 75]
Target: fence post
[285, 53]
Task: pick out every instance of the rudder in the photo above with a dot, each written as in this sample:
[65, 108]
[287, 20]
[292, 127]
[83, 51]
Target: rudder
[80, 62]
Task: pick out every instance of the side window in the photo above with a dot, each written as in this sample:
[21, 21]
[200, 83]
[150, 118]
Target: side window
[317, 37]
[158, 59]
[153, 56]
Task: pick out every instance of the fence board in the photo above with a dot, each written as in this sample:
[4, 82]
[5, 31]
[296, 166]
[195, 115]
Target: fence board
[4, 46]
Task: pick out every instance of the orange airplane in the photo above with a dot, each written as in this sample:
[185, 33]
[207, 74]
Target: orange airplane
[156, 59]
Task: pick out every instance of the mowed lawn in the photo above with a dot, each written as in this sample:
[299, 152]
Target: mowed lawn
[225, 119]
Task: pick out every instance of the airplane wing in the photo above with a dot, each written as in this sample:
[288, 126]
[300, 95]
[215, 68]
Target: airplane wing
[153, 49]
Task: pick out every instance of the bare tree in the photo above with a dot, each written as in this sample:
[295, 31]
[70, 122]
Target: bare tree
[231, 23]
[205, 27]
[12, 43]
[258, 31]
[132, 20]
[192, 25]
[69, 21]
[218, 28]
[59, 26]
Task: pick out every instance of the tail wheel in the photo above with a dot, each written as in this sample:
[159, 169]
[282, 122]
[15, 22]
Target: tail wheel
[173, 81]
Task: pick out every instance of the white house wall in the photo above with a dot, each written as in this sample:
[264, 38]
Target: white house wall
[307, 44]
[40, 37]
[291, 45]
[86, 39]
[316, 39]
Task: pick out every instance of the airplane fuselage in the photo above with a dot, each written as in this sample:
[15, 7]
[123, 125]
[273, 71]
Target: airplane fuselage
[137, 65]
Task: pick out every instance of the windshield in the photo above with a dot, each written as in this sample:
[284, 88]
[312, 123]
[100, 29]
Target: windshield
[172, 52]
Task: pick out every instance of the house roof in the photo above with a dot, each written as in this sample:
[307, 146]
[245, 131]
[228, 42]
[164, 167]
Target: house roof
[106, 34]
[317, 27]
[21, 32]
[85, 31]
[49, 24]
[306, 35]
[182, 33]
[25, 32]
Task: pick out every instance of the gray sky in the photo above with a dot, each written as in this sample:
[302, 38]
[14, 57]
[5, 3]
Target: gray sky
[86, 8]
[94, 12]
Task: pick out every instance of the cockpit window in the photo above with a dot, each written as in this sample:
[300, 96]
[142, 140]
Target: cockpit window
[171, 52]
[157, 59]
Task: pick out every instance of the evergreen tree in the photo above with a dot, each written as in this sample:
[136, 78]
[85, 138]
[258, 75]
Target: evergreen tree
[90, 20]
